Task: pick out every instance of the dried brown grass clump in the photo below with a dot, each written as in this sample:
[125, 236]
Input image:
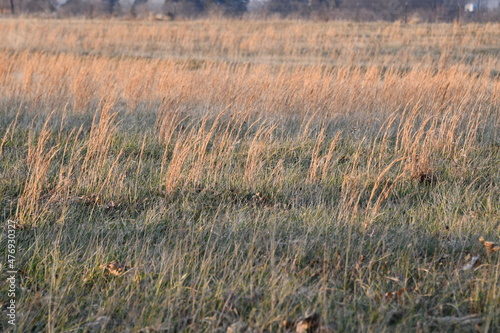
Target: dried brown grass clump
[40, 157]
[489, 246]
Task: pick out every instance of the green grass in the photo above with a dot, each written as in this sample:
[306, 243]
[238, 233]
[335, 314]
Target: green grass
[362, 210]
[215, 252]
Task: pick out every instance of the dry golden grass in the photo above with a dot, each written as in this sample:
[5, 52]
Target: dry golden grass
[313, 67]
[251, 172]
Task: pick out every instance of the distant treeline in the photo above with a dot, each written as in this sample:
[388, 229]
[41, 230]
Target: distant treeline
[365, 10]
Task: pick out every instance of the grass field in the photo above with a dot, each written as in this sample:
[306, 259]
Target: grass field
[250, 176]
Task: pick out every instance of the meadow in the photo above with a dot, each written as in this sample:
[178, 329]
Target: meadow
[250, 176]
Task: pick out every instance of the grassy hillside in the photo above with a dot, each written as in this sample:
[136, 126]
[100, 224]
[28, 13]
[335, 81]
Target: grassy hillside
[250, 176]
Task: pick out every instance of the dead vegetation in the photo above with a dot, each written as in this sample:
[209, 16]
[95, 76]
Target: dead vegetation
[252, 176]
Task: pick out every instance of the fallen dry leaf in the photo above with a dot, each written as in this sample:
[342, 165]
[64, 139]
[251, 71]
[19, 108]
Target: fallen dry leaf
[471, 263]
[308, 324]
[111, 205]
[114, 268]
[489, 246]
[394, 294]
[239, 327]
